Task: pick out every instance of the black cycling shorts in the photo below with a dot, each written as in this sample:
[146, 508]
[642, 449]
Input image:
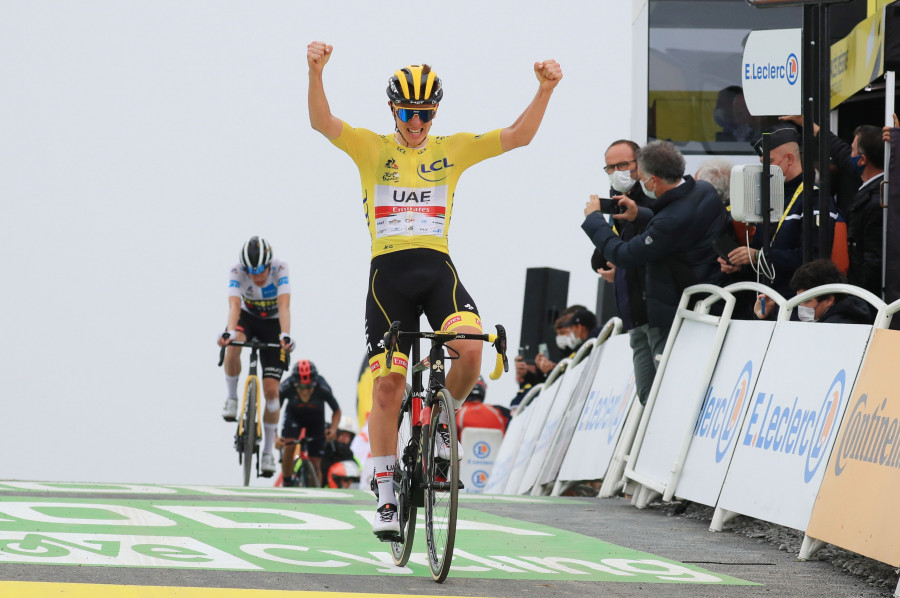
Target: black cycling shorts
[402, 282]
[315, 430]
[273, 360]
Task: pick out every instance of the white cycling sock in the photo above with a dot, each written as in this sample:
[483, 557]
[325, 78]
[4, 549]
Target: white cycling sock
[231, 383]
[270, 431]
[384, 477]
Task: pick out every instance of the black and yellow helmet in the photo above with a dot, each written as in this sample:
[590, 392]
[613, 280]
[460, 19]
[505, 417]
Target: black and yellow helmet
[415, 84]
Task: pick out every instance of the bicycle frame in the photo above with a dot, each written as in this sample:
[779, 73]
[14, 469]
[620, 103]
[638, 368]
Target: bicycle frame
[246, 442]
[422, 479]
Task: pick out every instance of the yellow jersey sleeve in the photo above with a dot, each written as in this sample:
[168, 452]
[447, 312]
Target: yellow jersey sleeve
[408, 193]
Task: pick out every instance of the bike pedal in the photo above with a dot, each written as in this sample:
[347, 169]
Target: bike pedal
[230, 420]
[388, 536]
[266, 474]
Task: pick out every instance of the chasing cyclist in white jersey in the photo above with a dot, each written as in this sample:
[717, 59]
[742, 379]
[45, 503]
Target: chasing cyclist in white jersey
[259, 306]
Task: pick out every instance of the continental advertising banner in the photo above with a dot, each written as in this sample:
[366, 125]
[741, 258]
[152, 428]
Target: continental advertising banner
[726, 404]
[603, 415]
[857, 507]
[792, 421]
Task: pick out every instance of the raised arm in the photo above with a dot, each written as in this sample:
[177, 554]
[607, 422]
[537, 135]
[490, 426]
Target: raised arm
[320, 117]
[524, 129]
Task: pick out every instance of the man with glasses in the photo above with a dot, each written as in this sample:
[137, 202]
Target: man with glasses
[409, 179]
[676, 247]
[259, 306]
[630, 214]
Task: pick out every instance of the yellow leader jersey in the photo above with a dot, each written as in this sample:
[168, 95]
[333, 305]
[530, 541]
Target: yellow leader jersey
[408, 193]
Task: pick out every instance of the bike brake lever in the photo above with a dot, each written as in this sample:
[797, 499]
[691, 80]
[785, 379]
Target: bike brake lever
[500, 345]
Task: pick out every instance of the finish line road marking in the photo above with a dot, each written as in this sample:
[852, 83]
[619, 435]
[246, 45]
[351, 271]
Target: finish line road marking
[30, 589]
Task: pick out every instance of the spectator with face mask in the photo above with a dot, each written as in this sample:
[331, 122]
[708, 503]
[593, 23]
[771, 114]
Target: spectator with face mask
[676, 247]
[629, 283]
[566, 340]
[863, 160]
[834, 309]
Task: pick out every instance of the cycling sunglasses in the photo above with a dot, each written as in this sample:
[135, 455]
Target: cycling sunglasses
[424, 114]
[305, 386]
[257, 269]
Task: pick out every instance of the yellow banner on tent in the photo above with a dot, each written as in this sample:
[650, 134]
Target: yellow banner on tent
[858, 59]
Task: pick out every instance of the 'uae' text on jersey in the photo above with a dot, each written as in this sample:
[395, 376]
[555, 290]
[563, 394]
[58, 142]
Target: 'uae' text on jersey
[408, 193]
[261, 302]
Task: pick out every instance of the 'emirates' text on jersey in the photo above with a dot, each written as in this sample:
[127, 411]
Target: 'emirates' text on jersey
[408, 193]
[261, 302]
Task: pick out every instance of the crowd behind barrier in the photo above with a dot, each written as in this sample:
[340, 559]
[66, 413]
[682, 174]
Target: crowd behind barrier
[793, 423]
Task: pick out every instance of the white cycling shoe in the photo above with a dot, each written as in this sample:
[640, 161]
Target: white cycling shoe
[229, 411]
[387, 521]
[267, 464]
[442, 444]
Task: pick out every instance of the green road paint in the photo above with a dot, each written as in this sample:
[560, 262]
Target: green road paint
[236, 491]
[308, 535]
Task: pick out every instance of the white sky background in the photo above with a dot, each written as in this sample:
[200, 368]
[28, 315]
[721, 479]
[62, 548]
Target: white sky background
[141, 144]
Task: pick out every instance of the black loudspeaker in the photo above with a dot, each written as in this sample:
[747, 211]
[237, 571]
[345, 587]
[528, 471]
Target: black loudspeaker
[546, 293]
[606, 302]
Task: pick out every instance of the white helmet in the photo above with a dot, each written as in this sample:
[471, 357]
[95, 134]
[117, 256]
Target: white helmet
[348, 425]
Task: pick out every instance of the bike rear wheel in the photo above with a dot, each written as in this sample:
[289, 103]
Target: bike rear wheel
[249, 448]
[407, 457]
[441, 489]
[307, 476]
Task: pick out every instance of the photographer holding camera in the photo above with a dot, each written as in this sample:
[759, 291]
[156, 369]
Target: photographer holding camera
[677, 244]
[628, 221]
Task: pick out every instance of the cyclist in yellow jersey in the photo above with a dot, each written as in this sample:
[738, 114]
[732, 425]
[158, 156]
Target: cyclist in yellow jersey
[408, 182]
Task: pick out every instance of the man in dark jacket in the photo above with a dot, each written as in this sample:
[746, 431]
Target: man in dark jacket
[865, 157]
[784, 253]
[833, 309]
[628, 283]
[676, 248]
[863, 160]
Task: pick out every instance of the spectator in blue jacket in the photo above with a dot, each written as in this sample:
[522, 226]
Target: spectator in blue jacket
[676, 247]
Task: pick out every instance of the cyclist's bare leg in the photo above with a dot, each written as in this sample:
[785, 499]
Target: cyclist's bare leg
[317, 463]
[270, 391]
[464, 371]
[270, 417]
[232, 362]
[387, 394]
[288, 451]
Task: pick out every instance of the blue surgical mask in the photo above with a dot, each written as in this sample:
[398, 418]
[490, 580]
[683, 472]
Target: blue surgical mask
[857, 167]
[649, 194]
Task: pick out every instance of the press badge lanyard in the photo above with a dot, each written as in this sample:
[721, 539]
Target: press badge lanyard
[787, 211]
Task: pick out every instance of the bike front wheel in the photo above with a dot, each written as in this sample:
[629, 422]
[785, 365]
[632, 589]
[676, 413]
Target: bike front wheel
[249, 447]
[407, 457]
[441, 488]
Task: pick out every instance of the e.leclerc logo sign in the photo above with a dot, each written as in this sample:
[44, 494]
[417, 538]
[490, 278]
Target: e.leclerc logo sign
[770, 72]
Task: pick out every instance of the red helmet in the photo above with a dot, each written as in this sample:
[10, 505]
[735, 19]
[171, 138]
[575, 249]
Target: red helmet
[343, 470]
[306, 372]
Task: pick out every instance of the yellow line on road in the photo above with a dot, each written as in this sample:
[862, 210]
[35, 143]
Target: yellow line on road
[30, 589]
